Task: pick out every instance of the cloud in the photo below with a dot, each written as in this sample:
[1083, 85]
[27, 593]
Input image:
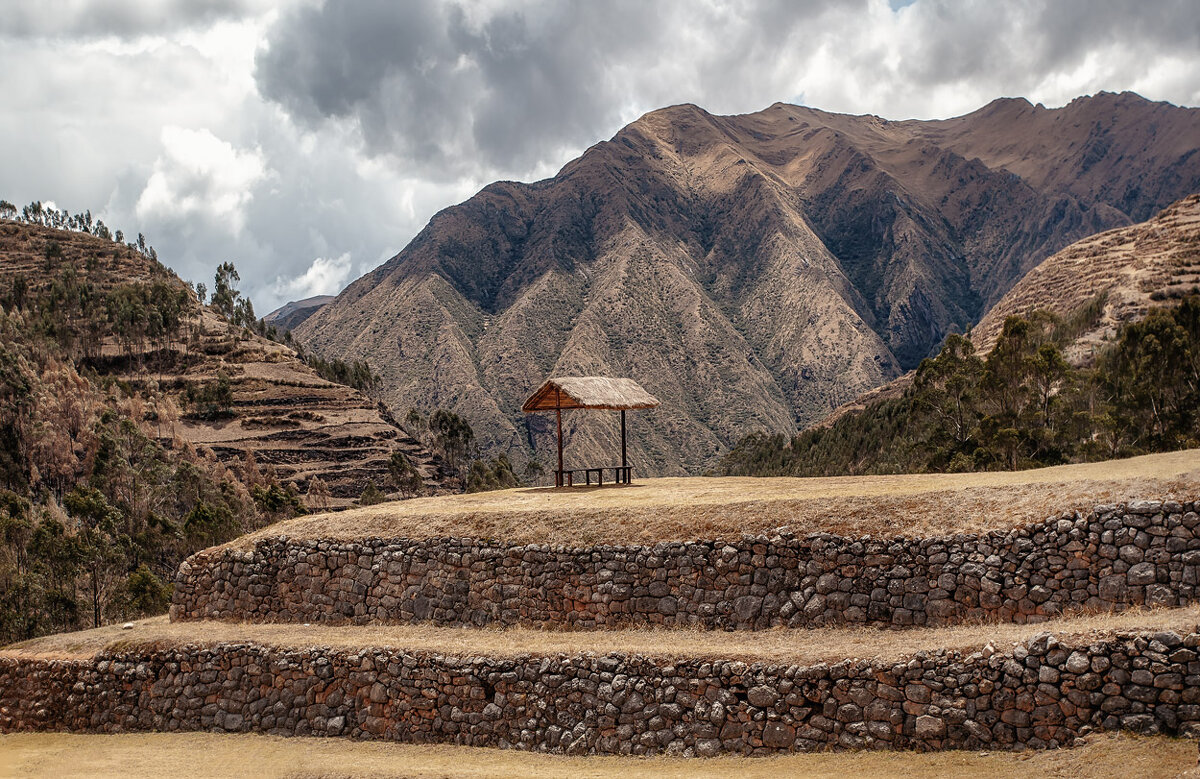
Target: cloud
[199, 175]
[272, 134]
[326, 276]
[120, 18]
[448, 88]
[508, 88]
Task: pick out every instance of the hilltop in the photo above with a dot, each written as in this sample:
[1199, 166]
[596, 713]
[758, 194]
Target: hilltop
[753, 271]
[290, 315]
[681, 509]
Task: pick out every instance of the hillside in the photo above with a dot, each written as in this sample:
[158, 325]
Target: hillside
[752, 272]
[280, 413]
[1134, 268]
[1126, 271]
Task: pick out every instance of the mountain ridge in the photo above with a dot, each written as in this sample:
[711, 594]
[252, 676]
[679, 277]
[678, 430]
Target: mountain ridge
[752, 271]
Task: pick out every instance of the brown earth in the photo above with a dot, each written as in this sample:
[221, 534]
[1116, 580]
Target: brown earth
[753, 272]
[253, 756]
[681, 509]
[286, 417]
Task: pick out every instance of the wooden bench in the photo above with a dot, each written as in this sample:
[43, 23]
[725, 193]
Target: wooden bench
[622, 474]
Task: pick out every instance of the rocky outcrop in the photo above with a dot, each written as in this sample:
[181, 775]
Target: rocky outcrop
[1116, 556]
[1045, 692]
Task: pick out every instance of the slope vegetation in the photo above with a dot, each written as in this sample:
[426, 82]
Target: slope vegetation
[753, 272]
[274, 412]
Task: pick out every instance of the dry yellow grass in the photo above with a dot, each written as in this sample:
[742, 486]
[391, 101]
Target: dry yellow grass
[781, 645]
[691, 508]
[261, 757]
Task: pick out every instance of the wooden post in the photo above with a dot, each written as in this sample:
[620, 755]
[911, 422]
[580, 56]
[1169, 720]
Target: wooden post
[624, 461]
[558, 417]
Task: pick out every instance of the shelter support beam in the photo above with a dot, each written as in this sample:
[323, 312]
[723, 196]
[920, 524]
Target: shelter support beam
[624, 457]
[558, 418]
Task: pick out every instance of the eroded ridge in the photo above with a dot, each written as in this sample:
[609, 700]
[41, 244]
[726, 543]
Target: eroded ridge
[1114, 557]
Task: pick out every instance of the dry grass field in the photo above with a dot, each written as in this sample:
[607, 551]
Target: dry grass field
[783, 646]
[697, 508]
[69, 755]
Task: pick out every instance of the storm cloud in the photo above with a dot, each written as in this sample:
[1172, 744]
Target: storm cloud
[310, 141]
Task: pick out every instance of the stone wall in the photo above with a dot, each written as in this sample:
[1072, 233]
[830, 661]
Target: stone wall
[1038, 694]
[1146, 552]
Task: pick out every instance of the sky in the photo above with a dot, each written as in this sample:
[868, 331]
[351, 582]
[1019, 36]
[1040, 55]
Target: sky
[307, 141]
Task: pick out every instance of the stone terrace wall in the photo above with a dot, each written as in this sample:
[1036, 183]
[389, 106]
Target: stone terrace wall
[1147, 552]
[1040, 694]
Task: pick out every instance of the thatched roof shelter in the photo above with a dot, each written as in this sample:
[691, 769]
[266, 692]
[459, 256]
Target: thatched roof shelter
[562, 393]
[567, 392]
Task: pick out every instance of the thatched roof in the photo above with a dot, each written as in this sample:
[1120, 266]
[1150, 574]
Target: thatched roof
[567, 392]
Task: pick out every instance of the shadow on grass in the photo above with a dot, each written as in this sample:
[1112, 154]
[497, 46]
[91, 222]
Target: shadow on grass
[580, 488]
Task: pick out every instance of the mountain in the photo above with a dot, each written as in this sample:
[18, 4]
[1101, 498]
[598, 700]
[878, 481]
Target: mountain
[1088, 357]
[752, 271]
[1130, 269]
[213, 386]
[291, 314]
[1122, 273]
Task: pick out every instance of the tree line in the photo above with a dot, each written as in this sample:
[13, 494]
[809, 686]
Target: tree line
[451, 437]
[37, 213]
[1021, 406]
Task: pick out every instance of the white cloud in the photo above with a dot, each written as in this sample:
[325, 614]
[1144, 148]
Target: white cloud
[200, 175]
[326, 276]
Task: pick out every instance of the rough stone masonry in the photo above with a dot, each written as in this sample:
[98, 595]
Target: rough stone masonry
[1114, 557]
[1041, 693]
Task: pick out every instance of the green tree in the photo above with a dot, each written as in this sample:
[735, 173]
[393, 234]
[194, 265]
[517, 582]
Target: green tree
[496, 474]
[147, 593]
[452, 436]
[405, 475]
[225, 295]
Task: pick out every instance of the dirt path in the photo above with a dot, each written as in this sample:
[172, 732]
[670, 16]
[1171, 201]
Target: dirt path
[263, 757]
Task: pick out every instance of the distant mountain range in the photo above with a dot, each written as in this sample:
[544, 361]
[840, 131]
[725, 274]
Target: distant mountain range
[290, 315]
[752, 272]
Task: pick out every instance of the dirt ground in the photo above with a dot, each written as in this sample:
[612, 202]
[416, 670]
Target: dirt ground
[95, 756]
[699, 507]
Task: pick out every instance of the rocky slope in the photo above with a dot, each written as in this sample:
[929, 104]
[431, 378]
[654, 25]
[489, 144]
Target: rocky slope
[282, 414]
[1124, 271]
[753, 272]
